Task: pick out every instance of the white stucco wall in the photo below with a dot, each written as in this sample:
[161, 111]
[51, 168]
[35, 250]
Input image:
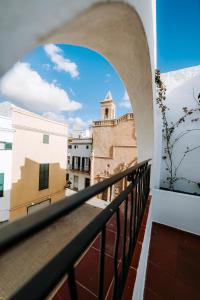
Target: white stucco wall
[28, 141]
[81, 150]
[23, 23]
[182, 85]
[176, 210]
[6, 135]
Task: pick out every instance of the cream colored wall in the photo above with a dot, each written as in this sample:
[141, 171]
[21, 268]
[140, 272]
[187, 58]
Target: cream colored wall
[113, 145]
[28, 152]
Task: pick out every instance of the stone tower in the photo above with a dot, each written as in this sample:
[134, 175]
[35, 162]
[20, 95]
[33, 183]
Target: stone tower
[108, 107]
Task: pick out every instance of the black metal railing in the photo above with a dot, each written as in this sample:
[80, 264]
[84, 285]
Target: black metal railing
[127, 209]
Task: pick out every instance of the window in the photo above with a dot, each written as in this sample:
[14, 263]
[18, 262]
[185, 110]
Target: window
[87, 164]
[87, 182]
[1, 184]
[67, 176]
[5, 146]
[106, 113]
[8, 146]
[45, 139]
[75, 182]
[75, 146]
[87, 146]
[44, 176]
[69, 146]
[77, 162]
[68, 160]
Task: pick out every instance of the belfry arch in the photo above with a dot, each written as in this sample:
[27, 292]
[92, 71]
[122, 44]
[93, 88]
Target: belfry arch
[116, 31]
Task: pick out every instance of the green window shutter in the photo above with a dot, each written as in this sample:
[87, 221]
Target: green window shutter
[45, 139]
[1, 184]
[43, 176]
[8, 146]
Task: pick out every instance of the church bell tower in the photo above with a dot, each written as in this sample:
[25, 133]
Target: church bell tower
[108, 107]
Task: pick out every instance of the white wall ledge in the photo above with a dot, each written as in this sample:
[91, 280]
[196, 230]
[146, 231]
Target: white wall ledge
[178, 210]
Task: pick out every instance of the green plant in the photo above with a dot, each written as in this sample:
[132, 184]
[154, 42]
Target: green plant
[170, 135]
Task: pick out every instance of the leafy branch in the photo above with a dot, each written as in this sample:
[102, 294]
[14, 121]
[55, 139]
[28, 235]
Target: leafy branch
[170, 137]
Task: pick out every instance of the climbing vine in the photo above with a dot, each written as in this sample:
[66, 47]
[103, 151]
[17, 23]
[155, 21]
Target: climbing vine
[170, 135]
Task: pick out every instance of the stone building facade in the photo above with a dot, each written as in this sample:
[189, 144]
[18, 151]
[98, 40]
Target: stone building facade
[114, 143]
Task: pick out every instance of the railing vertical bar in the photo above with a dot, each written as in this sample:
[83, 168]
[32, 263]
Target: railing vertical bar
[131, 227]
[102, 264]
[135, 215]
[140, 202]
[124, 241]
[72, 284]
[116, 251]
[133, 198]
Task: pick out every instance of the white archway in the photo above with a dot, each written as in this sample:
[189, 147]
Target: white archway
[115, 30]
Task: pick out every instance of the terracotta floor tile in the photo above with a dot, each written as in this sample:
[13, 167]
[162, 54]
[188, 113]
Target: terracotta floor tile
[160, 282]
[173, 265]
[130, 281]
[165, 259]
[185, 292]
[188, 266]
[144, 219]
[110, 292]
[64, 294]
[150, 295]
[164, 238]
[141, 235]
[136, 256]
[112, 223]
[110, 244]
[87, 271]
[189, 240]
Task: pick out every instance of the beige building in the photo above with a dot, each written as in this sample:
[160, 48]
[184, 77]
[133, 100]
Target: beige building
[114, 142]
[38, 161]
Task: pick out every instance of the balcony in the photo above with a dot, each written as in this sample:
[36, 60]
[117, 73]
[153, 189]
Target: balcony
[60, 241]
[79, 251]
[76, 168]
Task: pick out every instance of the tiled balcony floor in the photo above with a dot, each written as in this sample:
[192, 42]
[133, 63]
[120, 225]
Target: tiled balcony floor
[173, 271]
[86, 271]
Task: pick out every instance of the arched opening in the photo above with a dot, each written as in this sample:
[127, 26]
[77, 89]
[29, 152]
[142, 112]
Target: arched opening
[132, 61]
[48, 86]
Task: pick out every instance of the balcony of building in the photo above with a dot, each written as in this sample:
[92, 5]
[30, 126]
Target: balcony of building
[127, 250]
[79, 164]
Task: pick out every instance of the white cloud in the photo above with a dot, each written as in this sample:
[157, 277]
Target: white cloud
[55, 117]
[61, 63]
[26, 88]
[125, 100]
[74, 123]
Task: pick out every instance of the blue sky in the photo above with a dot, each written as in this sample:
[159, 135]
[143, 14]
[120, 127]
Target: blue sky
[51, 75]
[178, 34]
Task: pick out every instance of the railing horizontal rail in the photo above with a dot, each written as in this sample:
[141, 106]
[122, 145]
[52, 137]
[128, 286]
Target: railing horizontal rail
[128, 208]
[63, 261]
[15, 231]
